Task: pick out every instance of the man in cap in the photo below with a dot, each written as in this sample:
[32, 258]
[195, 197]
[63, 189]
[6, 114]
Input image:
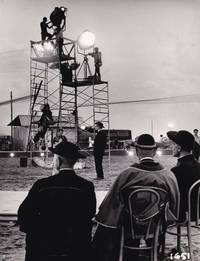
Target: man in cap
[196, 148]
[147, 172]
[187, 170]
[57, 213]
[99, 148]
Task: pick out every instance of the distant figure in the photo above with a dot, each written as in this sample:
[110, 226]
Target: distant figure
[196, 149]
[187, 170]
[44, 32]
[57, 139]
[59, 41]
[66, 71]
[100, 142]
[147, 172]
[58, 18]
[57, 213]
[44, 122]
[90, 143]
[161, 138]
[97, 62]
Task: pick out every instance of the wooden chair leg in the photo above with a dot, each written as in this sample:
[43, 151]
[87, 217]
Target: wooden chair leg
[178, 238]
[162, 240]
[121, 252]
[154, 250]
[190, 240]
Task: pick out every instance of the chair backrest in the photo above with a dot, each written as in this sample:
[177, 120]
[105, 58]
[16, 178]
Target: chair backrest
[194, 198]
[144, 206]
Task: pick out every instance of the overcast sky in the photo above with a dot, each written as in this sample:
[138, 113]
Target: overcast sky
[150, 49]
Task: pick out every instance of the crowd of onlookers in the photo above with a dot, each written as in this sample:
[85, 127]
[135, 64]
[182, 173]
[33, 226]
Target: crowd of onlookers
[58, 213]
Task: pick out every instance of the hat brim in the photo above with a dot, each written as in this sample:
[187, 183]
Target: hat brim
[78, 155]
[172, 135]
[146, 147]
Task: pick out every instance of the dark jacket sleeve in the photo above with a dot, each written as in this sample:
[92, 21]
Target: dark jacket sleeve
[27, 211]
[92, 200]
[100, 142]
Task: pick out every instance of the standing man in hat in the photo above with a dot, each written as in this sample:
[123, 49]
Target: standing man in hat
[196, 149]
[60, 226]
[187, 170]
[99, 148]
[147, 172]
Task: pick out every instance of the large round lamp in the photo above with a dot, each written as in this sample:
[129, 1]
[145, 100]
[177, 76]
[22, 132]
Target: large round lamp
[86, 40]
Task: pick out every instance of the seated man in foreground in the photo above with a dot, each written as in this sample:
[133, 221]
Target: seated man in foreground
[187, 170]
[145, 173]
[57, 213]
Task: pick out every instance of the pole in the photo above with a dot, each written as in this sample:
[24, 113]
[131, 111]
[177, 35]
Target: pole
[152, 127]
[11, 118]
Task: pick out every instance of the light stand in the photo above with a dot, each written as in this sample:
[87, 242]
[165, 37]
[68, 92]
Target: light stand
[85, 67]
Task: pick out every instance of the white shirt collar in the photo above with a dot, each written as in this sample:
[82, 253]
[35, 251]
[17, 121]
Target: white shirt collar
[66, 169]
[146, 158]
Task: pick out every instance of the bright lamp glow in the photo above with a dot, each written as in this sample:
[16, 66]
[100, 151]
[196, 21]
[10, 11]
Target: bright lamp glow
[86, 40]
[170, 125]
[44, 49]
[42, 154]
[159, 153]
[130, 153]
[12, 154]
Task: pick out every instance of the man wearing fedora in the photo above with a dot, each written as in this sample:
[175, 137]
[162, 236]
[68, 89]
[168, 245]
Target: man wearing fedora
[187, 170]
[147, 172]
[99, 148]
[57, 213]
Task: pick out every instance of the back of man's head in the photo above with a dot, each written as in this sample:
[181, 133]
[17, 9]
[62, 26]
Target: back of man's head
[182, 138]
[68, 153]
[145, 146]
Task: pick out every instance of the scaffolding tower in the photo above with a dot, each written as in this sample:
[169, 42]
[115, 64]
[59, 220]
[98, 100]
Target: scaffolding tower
[75, 97]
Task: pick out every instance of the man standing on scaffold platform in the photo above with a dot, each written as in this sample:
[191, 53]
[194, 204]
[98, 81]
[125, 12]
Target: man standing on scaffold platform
[99, 148]
[97, 63]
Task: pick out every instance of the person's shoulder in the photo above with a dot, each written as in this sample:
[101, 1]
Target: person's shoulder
[168, 173]
[84, 181]
[41, 183]
[129, 171]
[44, 180]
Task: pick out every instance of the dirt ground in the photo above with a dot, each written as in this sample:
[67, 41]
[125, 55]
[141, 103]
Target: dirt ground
[14, 177]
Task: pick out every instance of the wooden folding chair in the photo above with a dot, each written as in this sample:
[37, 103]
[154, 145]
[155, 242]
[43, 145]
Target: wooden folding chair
[195, 192]
[142, 219]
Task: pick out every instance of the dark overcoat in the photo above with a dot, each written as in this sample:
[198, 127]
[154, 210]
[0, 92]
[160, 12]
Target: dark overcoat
[58, 228]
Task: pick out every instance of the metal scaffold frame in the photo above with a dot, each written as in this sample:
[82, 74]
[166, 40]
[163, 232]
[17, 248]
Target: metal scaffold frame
[75, 97]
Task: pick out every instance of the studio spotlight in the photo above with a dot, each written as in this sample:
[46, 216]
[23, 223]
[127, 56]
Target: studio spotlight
[63, 9]
[12, 154]
[86, 40]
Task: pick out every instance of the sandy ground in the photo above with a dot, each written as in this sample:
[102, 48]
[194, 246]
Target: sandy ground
[13, 177]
